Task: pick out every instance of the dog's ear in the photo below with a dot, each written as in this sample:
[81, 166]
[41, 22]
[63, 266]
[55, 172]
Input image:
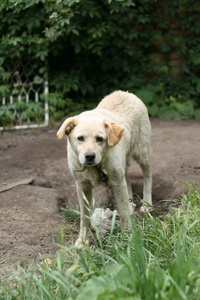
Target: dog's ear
[67, 126]
[115, 133]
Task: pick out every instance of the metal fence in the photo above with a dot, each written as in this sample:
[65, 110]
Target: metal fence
[24, 96]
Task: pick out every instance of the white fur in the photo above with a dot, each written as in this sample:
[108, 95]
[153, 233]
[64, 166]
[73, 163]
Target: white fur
[121, 120]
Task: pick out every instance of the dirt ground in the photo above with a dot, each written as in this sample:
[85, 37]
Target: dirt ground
[30, 218]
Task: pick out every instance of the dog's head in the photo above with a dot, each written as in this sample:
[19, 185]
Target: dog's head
[89, 136]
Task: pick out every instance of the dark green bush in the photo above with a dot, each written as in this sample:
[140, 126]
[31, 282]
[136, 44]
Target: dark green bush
[90, 48]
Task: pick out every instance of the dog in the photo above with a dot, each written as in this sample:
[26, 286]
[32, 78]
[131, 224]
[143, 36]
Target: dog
[100, 144]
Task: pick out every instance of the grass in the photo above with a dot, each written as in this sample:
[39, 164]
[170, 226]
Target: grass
[158, 258]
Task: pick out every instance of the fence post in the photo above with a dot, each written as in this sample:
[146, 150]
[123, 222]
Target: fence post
[46, 105]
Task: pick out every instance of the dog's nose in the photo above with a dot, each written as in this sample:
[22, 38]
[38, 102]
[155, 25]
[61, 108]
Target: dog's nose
[89, 157]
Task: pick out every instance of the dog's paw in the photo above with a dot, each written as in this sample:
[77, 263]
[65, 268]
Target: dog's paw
[79, 244]
[131, 207]
[145, 209]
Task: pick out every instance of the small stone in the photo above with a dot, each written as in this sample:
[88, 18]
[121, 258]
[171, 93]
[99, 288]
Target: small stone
[101, 219]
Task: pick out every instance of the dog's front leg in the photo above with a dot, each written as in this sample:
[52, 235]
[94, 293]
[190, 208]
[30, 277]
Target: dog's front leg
[85, 198]
[120, 191]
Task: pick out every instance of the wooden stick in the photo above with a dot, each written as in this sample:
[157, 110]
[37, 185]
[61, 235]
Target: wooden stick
[15, 184]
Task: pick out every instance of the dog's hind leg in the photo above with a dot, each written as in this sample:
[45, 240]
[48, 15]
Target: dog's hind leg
[130, 199]
[144, 159]
[147, 187]
[146, 166]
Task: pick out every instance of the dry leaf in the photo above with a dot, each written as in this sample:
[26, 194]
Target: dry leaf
[46, 261]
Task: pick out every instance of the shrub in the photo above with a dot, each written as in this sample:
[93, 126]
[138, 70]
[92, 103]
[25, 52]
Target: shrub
[90, 48]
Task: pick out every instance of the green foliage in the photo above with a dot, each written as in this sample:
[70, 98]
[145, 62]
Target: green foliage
[158, 258]
[90, 48]
[20, 113]
[164, 107]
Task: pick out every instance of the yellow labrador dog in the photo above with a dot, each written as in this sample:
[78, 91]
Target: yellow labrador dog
[100, 144]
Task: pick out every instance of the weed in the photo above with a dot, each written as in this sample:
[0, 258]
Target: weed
[157, 258]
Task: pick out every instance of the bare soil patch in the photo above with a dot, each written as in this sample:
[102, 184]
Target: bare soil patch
[30, 214]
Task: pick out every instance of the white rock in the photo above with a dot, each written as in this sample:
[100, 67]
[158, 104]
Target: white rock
[101, 220]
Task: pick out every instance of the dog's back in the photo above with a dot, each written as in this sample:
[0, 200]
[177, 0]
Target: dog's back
[120, 102]
[132, 114]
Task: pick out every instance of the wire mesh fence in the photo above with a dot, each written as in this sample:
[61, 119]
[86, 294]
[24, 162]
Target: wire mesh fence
[24, 97]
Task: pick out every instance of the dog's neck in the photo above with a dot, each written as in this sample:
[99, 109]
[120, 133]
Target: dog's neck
[102, 176]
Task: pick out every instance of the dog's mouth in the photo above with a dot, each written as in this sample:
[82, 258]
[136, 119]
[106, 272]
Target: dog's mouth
[81, 170]
[85, 167]
[89, 164]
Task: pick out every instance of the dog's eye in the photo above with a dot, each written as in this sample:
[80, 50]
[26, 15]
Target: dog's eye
[80, 138]
[99, 139]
